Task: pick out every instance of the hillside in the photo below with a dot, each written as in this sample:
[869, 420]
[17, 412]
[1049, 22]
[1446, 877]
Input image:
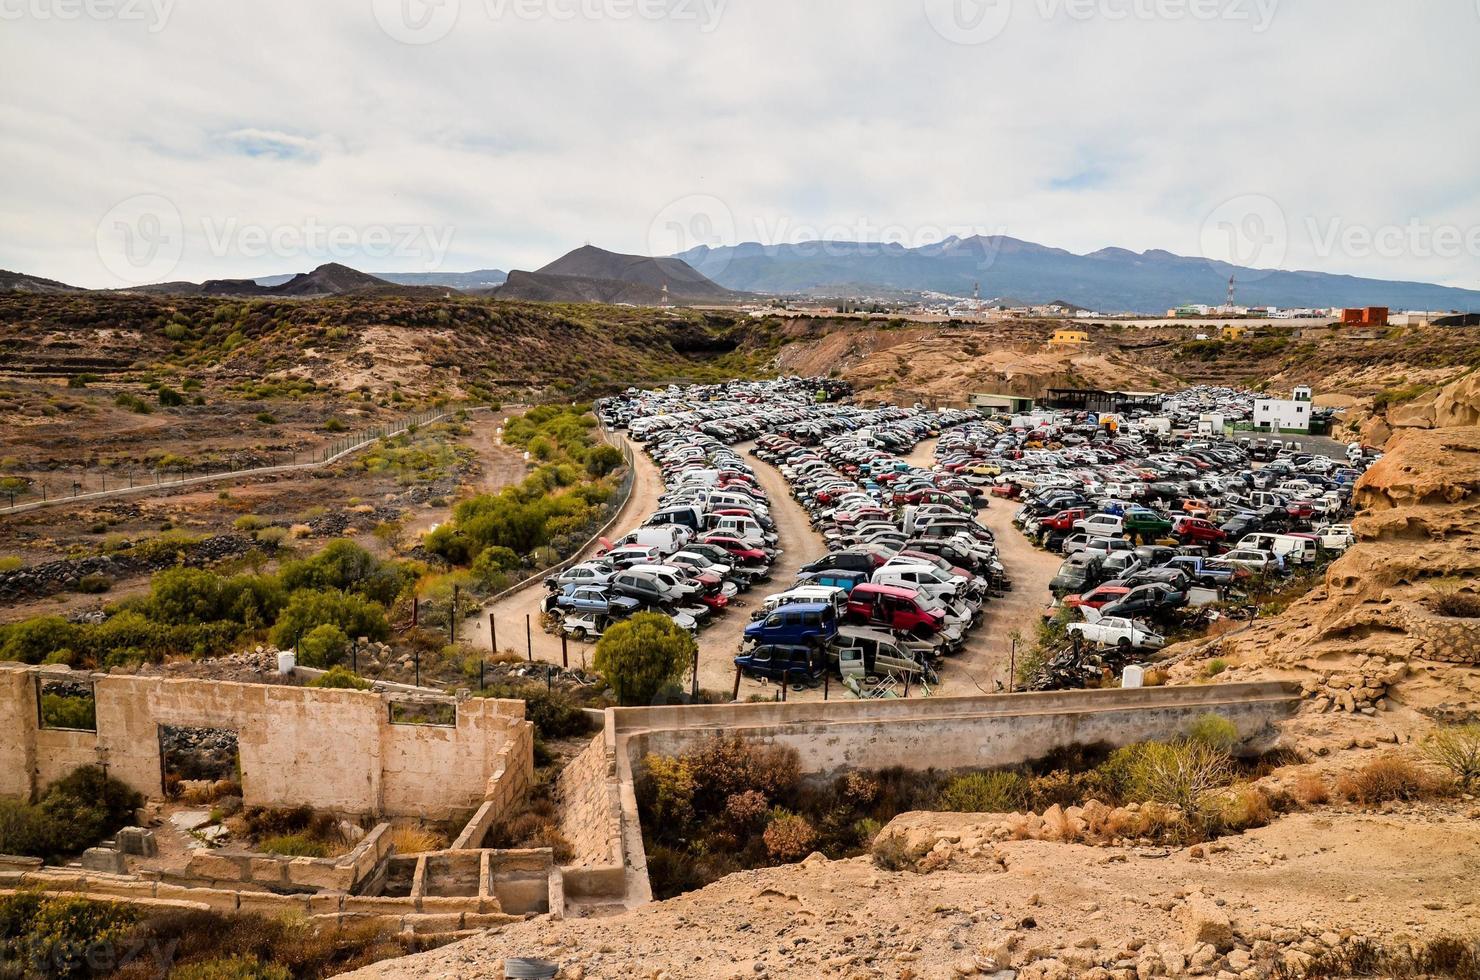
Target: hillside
[20, 282]
[1108, 280]
[370, 342]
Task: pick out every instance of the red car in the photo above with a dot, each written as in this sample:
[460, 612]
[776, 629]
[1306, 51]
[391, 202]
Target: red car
[1197, 530]
[737, 549]
[898, 609]
[1097, 598]
[1064, 519]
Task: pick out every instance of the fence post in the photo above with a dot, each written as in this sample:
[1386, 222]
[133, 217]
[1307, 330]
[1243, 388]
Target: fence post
[735, 694]
[492, 634]
[528, 638]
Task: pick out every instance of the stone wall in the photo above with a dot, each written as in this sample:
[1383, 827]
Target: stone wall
[333, 750]
[590, 811]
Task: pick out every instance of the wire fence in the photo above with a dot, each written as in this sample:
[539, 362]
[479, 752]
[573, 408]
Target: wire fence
[20, 495]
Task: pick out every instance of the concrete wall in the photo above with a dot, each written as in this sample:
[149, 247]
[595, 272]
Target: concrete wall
[941, 733]
[330, 749]
[952, 733]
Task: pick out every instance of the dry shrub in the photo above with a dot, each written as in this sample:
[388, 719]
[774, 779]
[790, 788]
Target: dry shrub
[747, 809]
[549, 835]
[1456, 749]
[414, 839]
[723, 766]
[860, 788]
[789, 837]
[890, 853]
[1057, 826]
[1311, 790]
[1244, 807]
[1389, 777]
[665, 786]
[1155, 677]
[1441, 956]
[207, 793]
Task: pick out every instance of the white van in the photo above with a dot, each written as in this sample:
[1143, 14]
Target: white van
[747, 529]
[922, 578]
[1293, 550]
[829, 594]
[668, 538]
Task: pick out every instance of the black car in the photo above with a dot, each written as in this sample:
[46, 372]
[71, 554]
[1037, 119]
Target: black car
[1146, 600]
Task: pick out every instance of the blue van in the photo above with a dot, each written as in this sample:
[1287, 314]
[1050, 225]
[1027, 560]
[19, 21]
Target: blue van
[789, 664]
[803, 624]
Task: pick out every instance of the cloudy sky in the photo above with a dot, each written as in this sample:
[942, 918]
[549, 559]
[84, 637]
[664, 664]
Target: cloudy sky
[184, 139]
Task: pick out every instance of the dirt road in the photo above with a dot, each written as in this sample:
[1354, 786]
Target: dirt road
[987, 657]
[509, 613]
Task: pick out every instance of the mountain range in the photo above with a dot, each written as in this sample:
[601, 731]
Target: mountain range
[1016, 272]
[1109, 280]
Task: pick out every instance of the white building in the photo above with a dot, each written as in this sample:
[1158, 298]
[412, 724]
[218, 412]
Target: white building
[1284, 414]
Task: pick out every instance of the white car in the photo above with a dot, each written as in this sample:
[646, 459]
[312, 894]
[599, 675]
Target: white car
[1101, 525]
[1117, 631]
[1336, 537]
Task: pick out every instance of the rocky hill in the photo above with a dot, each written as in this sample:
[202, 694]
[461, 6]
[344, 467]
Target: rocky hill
[594, 275]
[22, 283]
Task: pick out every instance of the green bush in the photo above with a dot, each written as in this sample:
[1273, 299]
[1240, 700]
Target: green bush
[642, 655]
[294, 845]
[170, 398]
[324, 646]
[334, 425]
[340, 677]
[69, 711]
[74, 813]
[1002, 791]
[94, 583]
[133, 403]
[1216, 732]
[308, 609]
[57, 937]
[1456, 748]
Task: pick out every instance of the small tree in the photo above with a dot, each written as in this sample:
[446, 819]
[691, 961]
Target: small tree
[642, 655]
[1457, 749]
[323, 646]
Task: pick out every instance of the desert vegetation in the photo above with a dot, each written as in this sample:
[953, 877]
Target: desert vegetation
[80, 939]
[730, 805]
[199, 612]
[73, 814]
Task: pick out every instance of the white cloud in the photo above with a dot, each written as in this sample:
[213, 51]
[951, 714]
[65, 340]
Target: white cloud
[527, 135]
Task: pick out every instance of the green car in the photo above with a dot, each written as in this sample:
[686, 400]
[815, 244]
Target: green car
[1147, 524]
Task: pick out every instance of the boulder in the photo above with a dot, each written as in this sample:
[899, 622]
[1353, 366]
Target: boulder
[1204, 922]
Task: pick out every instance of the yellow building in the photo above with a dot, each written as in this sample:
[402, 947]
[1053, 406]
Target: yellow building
[1068, 338]
[1233, 332]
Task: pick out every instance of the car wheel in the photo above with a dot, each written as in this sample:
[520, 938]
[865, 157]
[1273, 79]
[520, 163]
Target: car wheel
[1124, 643]
[578, 634]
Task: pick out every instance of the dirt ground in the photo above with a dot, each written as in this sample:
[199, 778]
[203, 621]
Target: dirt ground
[1303, 879]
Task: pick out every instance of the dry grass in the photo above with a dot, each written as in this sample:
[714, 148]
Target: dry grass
[415, 839]
[1387, 778]
[1311, 790]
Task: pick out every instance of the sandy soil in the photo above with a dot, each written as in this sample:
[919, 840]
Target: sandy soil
[1300, 881]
